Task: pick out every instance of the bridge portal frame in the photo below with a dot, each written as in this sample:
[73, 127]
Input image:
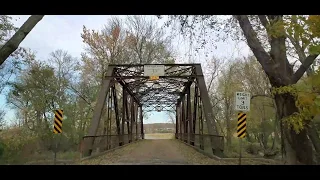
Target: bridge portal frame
[188, 116]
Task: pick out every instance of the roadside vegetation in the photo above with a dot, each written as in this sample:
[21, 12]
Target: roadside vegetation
[283, 123]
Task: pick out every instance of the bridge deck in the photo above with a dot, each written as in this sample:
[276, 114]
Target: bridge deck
[161, 151]
[156, 150]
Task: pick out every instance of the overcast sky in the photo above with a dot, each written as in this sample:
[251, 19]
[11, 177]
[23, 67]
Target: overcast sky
[63, 32]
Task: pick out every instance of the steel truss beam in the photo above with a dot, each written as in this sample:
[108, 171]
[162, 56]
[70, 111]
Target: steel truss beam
[172, 92]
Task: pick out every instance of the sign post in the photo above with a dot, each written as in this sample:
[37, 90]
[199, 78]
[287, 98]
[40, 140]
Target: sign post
[57, 129]
[240, 150]
[241, 131]
[154, 71]
[242, 105]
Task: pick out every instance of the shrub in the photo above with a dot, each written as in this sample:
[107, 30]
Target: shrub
[253, 148]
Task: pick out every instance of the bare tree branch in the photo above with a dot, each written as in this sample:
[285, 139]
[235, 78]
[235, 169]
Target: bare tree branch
[299, 50]
[16, 105]
[264, 20]
[304, 67]
[253, 42]
[261, 95]
[82, 97]
[297, 47]
[213, 73]
[172, 118]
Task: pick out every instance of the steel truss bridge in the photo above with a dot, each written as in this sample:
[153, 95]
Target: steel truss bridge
[126, 94]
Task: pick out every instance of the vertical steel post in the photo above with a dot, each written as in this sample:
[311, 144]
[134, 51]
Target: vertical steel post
[177, 122]
[88, 143]
[116, 111]
[131, 119]
[207, 108]
[189, 116]
[141, 116]
[123, 120]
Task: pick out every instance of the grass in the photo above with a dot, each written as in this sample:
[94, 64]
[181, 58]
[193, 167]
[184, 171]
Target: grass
[160, 136]
[48, 158]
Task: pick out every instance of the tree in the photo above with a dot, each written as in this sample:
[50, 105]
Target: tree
[228, 84]
[39, 90]
[147, 42]
[34, 93]
[262, 114]
[301, 43]
[2, 114]
[270, 51]
[104, 47]
[65, 67]
[13, 43]
[213, 68]
[17, 58]
[280, 73]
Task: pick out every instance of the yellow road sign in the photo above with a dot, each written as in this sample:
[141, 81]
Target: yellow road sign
[242, 125]
[154, 77]
[58, 117]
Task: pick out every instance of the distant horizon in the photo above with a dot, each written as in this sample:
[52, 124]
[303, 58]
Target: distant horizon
[160, 123]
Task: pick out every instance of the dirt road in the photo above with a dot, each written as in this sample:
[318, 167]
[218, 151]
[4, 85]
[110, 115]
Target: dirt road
[159, 149]
[150, 152]
[153, 152]
[156, 149]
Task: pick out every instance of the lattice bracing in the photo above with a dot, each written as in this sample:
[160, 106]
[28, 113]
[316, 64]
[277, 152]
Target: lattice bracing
[168, 92]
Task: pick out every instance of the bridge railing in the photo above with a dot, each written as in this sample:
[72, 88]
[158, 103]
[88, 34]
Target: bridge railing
[206, 142]
[103, 143]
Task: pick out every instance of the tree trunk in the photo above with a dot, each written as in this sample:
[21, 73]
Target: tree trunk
[297, 145]
[264, 140]
[314, 137]
[273, 143]
[220, 127]
[264, 136]
[25, 117]
[280, 73]
[290, 155]
[38, 117]
[229, 134]
[249, 138]
[227, 115]
[276, 132]
[276, 138]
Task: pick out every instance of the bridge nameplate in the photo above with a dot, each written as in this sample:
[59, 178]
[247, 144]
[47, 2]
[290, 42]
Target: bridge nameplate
[153, 70]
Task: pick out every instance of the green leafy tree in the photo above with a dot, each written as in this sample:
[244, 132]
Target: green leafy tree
[266, 37]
